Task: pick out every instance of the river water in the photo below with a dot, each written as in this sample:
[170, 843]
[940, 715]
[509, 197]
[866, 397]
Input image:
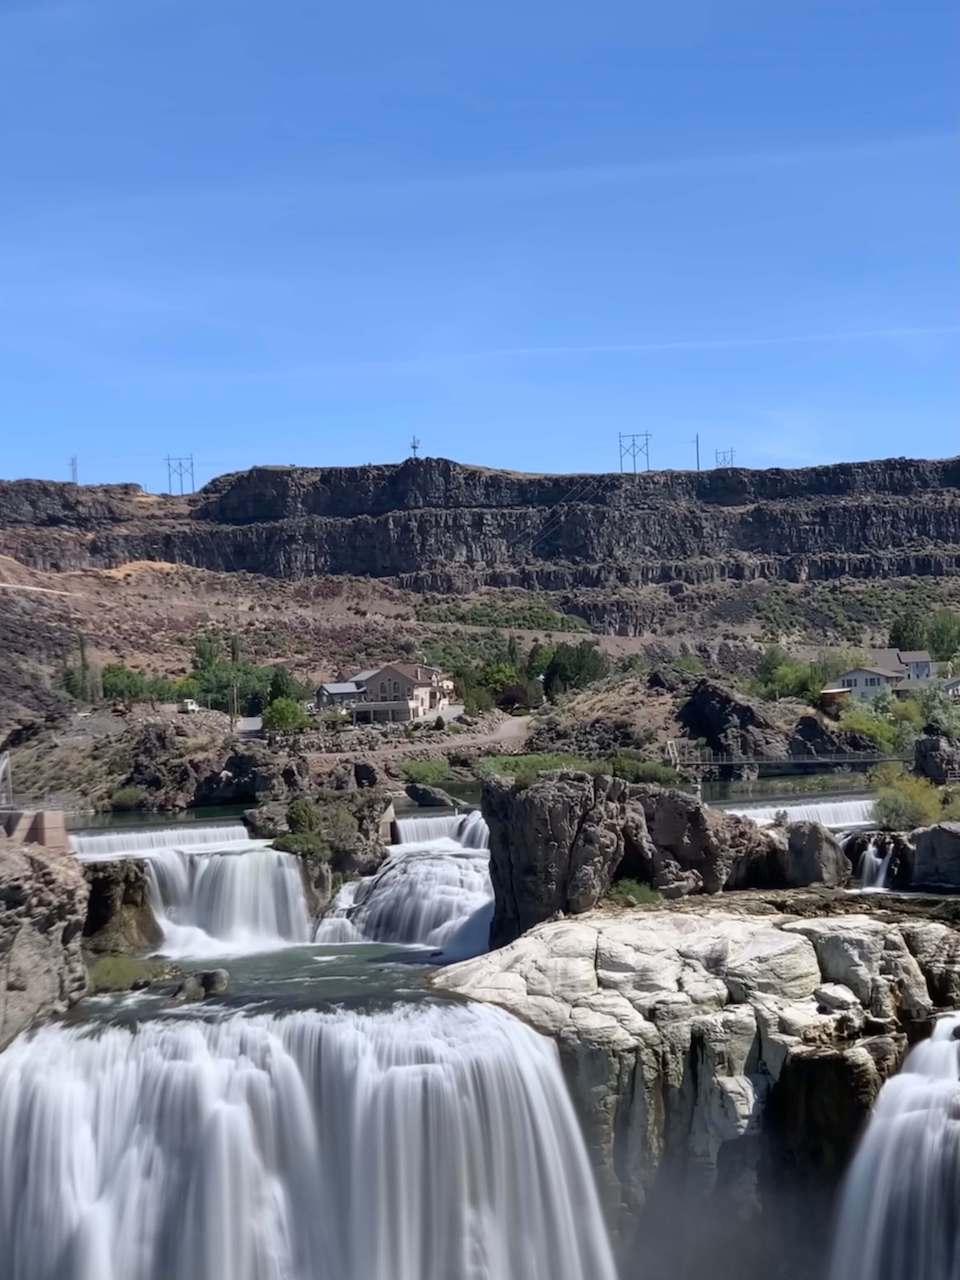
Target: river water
[328, 1117]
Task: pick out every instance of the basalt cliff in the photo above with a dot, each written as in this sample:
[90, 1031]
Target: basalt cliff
[435, 525]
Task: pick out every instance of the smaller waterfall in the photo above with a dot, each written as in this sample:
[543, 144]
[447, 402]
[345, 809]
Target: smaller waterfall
[432, 891]
[900, 1218]
[875, 867]
[101, 846]
[211, 904]
[838, 815]
[468, 829]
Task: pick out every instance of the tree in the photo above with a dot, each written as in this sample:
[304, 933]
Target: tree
[285, 715]
[943, 635]
[283, 685]
[908, 631]
[574, 667]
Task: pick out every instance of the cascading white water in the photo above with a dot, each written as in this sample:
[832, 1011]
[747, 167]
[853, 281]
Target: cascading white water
[425, 1143]
[100, 846]
[839, 815]
[468, 829]
[211, 904]
[900, 1212]
[434, 892]
[874, 868]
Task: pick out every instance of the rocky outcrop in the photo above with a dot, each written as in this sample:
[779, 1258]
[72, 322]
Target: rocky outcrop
[689, 1035]
[730, 724]
[557, 846]
[936, 756]
[43, 898]
[119, 915]
[440, 526]
[936, 863]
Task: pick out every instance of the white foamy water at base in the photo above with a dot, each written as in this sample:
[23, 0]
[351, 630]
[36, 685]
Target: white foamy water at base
[218, 903]
[875, 868]
[839, 815]
[426, 1143]
[432, 892]
[900, 1212]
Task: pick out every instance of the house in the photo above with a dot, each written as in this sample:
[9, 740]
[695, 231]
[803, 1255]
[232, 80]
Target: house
[401, 692]
[903, 671]
[866, 682]
[913, 664]
[342, 693]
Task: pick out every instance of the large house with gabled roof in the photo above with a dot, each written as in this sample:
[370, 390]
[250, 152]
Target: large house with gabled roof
[396, 693]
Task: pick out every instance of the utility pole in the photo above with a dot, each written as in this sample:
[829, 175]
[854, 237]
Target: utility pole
[696, 442]
[415, 446]
[724, 457]
[180, 469]
[74, 470]
[634, 445]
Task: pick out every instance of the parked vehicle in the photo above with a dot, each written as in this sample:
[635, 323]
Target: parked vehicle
[189, 705]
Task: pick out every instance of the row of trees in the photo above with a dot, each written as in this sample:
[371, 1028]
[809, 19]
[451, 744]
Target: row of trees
[219, 677]
[522, 680]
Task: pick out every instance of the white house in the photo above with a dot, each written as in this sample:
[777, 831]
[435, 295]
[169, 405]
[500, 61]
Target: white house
[895, 669]
[913, 664]
[866, 682]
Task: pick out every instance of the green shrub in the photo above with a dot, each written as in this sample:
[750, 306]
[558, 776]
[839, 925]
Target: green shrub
[303, 816]
[862, 718]
[430, 773]
[307, 844]
[529, 766]
[126, 799]
[285, 715]
[907, 802]
[631, 893]
[625, 764]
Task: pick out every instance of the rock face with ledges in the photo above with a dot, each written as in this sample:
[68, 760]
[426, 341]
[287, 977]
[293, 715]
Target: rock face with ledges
[687, 1035]
[442, 526]
[43, 900]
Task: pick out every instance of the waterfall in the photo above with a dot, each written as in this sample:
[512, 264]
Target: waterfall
[210, 904]
[839, 815]
[434, 891]
[900, 1213]
[468, 829]
[138, 843]
[874, 868]
[424, 1143]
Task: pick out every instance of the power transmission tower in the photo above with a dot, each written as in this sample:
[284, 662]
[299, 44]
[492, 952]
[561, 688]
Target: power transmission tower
[724, 457]
[415, 446]
[74, 470]
[180, 469]
[696, 442]
[634, 445]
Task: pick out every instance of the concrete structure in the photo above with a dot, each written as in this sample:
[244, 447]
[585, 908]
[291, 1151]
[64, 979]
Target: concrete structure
[46, 827]
[401, 692]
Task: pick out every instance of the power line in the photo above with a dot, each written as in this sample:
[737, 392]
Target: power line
[634, 445]
[724, 457]
[180, 469]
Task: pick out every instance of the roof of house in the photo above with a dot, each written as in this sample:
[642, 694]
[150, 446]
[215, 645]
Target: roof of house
[914, 655]
[872, 671]
[343, 686]
[363, 676]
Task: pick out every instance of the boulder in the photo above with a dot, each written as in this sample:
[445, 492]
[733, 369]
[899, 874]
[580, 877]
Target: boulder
[936, 756]
[814, 856]
[119, 914]
[937, 857]
[43, 902]
[267, 821]
[430, 797]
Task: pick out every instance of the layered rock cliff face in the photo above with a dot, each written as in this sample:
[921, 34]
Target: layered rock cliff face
[43, 901]
[438, 525]
[720, 1055]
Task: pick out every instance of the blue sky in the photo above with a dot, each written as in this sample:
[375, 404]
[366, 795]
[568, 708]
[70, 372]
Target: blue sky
[303, 232]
